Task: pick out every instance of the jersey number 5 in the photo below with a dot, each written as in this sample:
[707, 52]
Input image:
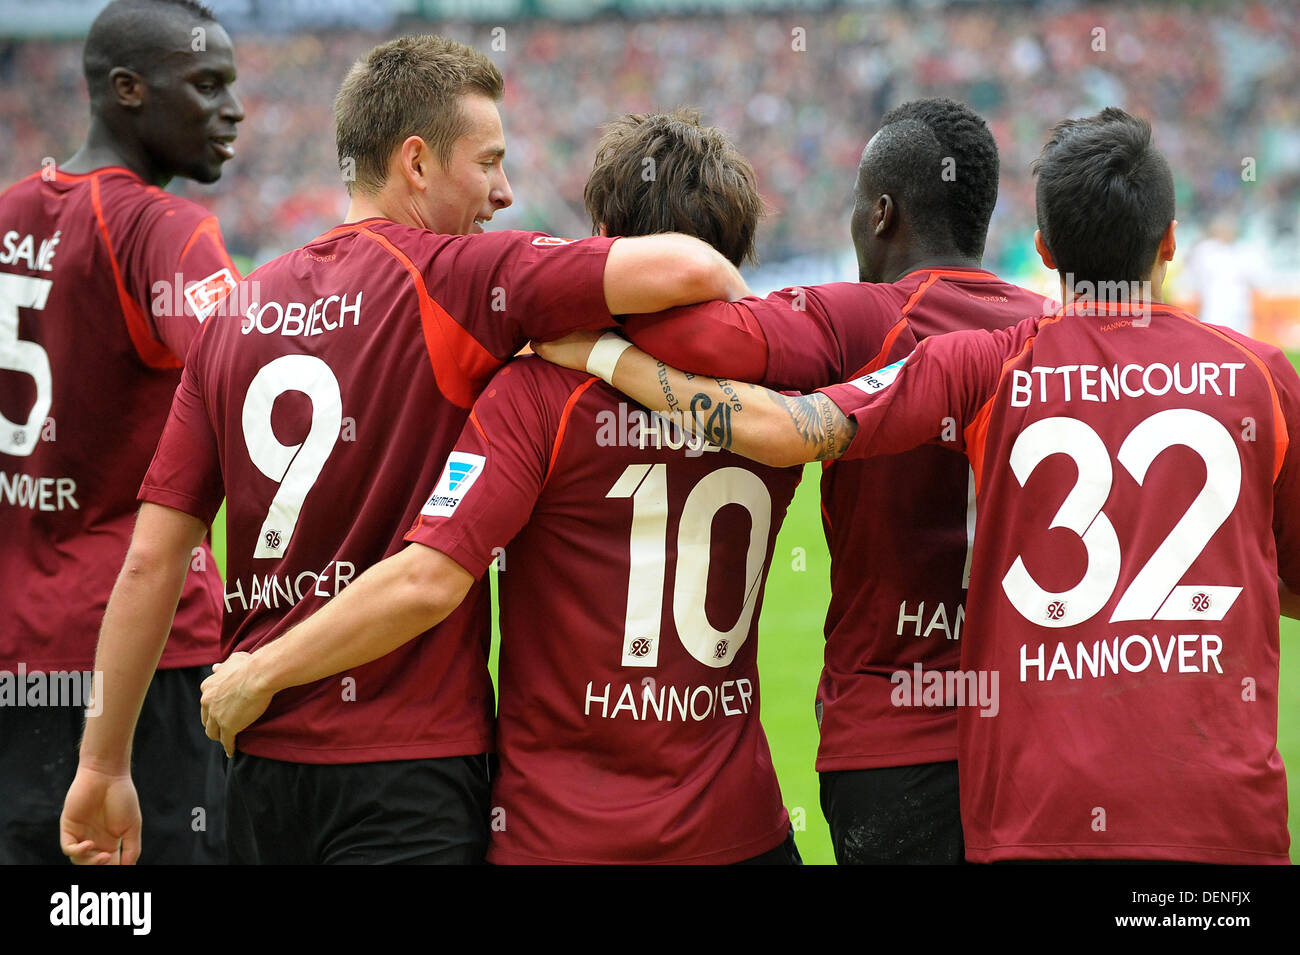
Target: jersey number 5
[22, 291]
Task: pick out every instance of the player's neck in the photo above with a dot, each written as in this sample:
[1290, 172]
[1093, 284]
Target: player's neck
[101, 149]
[1146, 292]
[386, 204]
[364, 207]
[920, 262]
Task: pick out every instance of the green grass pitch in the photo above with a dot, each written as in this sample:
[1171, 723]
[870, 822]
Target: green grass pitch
[790, 659]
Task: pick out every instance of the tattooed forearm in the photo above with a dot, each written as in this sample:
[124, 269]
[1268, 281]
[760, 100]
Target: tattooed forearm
[674, 406]
[823, 427]
[714, 425]
[729, 392]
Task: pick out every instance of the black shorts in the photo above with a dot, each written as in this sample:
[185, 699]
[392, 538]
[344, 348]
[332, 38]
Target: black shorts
[894, 815]
[787, 853]
[179, 777]
[401, 812]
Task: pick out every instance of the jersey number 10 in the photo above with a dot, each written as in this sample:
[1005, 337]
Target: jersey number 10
[647, 485]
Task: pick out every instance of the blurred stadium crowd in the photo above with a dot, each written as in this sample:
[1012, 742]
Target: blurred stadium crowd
[1221, 84]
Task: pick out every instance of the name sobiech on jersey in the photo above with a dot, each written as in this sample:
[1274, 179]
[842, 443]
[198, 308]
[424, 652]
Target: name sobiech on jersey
[299, 318]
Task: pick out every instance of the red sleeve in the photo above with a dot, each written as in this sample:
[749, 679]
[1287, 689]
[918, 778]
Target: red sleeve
[796, 339]
[185, 473]
[507, 288]
[493, 477]
[931, 395]
[1286, 489]
[821, 334]
[718, 339]
[176, 266]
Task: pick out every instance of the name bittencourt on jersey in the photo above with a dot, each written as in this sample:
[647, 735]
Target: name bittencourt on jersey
[1103, 383]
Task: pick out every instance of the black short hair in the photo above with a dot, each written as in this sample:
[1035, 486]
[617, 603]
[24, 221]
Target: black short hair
[937, 159]
[1105, 197]
[130, 33]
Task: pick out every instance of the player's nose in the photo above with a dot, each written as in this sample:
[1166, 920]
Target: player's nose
[501, 195]
[232, 110]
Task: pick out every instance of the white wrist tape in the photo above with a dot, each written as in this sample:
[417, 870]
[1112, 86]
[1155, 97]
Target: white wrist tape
[605, 355]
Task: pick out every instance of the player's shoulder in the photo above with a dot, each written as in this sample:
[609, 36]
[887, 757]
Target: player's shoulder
[427, 242]
[1278, 365]
[530, 378]
[941, 301]
[1003, 341]
[124, 194]
[22, 189]
[529, 398]
[138, 216]
[853, 295]
[1026, 302]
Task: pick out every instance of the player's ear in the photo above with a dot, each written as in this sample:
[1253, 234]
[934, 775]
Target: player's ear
[1043, 252]
[414, 162]
[884, 215]
[1167, 243]
[127, 86]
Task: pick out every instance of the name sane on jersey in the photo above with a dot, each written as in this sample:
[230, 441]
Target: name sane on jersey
[298, 318]
[15, 246]
[1103, 383]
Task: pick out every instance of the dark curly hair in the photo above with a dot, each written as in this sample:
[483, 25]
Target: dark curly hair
[938, 161]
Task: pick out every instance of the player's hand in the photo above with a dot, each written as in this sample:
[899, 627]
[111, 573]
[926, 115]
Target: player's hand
[100, 824]
[232, 699]
[571, 351]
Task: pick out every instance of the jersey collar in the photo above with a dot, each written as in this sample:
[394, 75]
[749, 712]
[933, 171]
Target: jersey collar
[1119, 309]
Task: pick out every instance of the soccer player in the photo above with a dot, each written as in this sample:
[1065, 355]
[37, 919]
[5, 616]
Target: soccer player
[1137, 473]
[633, 565]
[104, 281]
[898, 528]
[323, 410]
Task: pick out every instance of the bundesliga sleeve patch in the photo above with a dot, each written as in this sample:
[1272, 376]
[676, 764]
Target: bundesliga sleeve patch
[206, 294]
[879, 380]
[457, 478]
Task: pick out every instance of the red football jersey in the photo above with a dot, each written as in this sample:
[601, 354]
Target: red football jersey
[323, 410]
[633, 566]
[897, 527]
[104, 282]
[1136, 489]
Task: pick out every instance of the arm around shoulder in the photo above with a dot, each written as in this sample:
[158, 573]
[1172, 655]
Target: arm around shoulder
[654, 272]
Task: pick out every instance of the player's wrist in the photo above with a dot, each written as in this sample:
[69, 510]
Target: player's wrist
[266, 674]
[109, 766]
[604, 356]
